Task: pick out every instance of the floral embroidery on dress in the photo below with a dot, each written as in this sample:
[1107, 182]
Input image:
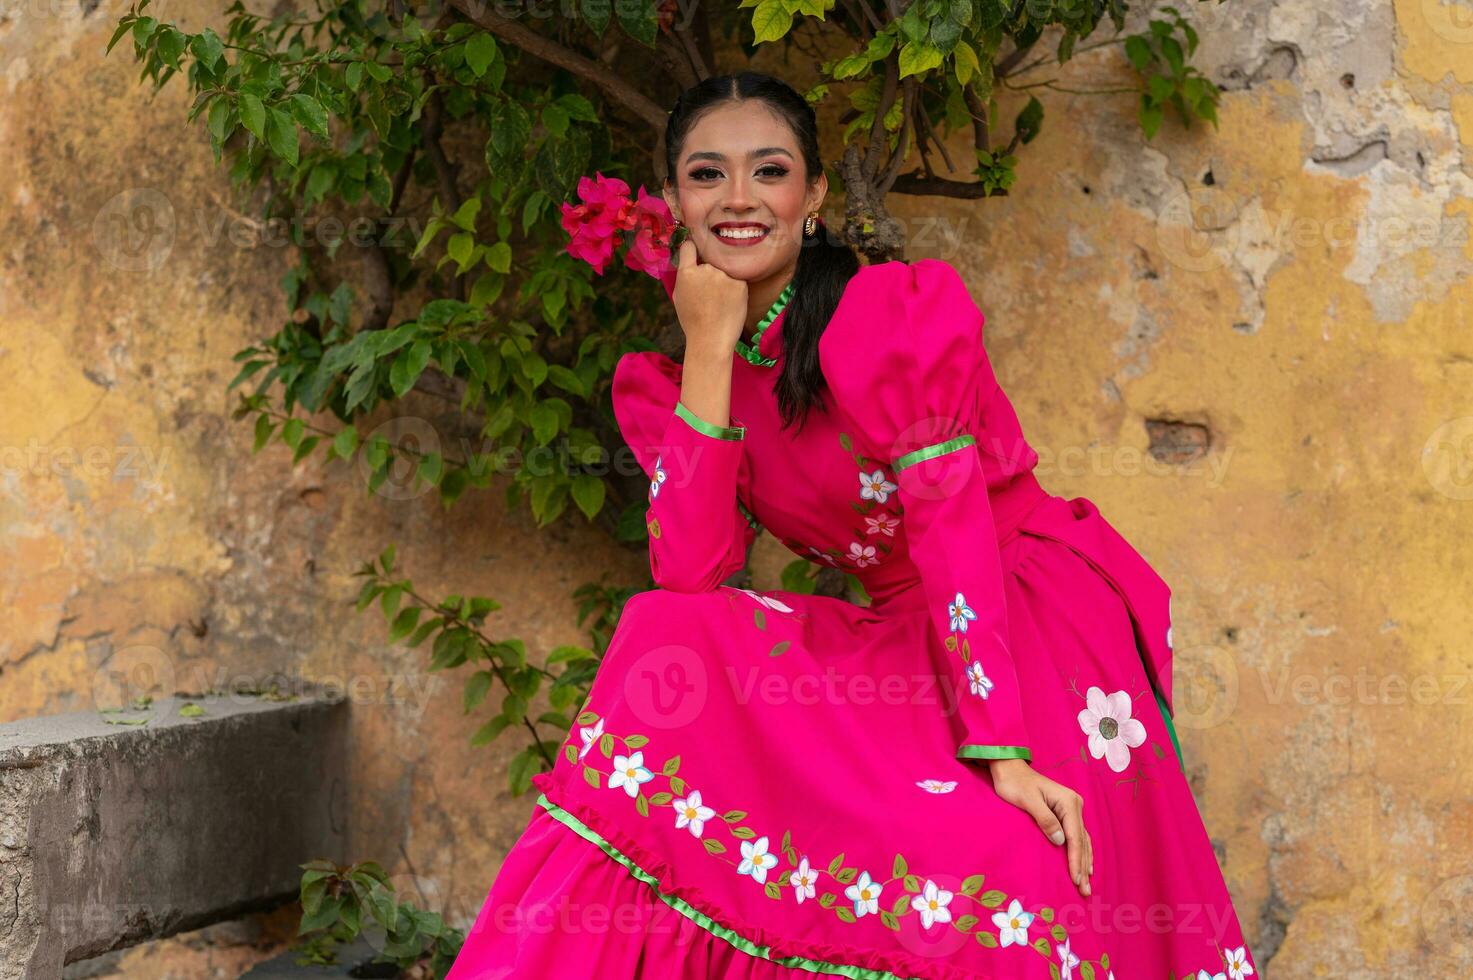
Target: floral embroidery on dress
[1013, 925]
[756, 860]
[932, 903]
[658, 478]
[768, 601]
[691, 813]
[877, 505]
[937, 785]
[590, 737]
[960, 613]
[865, 894]
[874, 486]
[918, 894]
[629, 772]
[803, 881]
[1112, 731]
[884, 524]
[980, 684]
[1067, 961]
[1238, 966]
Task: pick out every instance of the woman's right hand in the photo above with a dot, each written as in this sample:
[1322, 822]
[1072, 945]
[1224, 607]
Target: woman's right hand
[1057, 809]
[711, 305]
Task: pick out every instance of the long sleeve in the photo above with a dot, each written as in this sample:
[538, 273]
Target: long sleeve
[695, 541]
[905, 361]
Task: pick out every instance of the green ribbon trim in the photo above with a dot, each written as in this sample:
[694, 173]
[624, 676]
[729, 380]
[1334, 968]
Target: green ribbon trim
[993, 752]
[1170, 726]
[730, 432]
[928, 452]
[702, 919]
[751, 349]
[748, 516]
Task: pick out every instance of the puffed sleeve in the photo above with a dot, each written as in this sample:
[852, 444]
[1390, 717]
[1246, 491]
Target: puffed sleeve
[904, 360]
[695, 541]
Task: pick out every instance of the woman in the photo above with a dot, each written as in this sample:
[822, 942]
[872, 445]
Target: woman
[972, 776]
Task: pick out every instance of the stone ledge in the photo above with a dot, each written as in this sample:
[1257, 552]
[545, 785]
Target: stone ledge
[112, 834]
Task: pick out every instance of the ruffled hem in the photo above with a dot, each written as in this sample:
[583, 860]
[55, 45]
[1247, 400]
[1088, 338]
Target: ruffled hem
[754, 942]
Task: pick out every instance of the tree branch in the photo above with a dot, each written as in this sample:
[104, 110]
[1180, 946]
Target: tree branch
[595, 72]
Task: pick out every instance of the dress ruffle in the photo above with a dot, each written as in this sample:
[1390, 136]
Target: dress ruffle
[645, 927]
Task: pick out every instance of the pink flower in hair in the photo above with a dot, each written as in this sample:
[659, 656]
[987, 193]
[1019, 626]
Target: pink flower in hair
[653, 226]
[594, 227]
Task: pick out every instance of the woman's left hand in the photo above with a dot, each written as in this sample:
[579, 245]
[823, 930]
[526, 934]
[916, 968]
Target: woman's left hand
[1057, 809]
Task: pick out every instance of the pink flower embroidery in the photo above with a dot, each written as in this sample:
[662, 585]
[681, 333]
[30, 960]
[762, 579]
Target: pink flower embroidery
[862, 554]
[1112, 732]
[884, 524]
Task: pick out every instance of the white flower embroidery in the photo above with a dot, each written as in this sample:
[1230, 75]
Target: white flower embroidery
[657, 479]
[629, 772]
[590, 737]
[884, 524]
[690, 813]
[802, 880]
[1238, 966]
[874, 486]
[1013, 925]
[1204, 975]
[1067, 961]
[821, 555]
[768, 601]
[937, 786]
[1112, 731]
[862, 554]
[865, 893]
[960, 612]
[932, 903]
[756, 860]
[979, 682]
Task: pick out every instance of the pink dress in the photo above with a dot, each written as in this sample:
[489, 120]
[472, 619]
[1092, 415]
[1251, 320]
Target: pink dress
[774, 784]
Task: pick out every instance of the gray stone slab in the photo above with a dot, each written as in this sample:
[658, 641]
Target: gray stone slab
[113, 834]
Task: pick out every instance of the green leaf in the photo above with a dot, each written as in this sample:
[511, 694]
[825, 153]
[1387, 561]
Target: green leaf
[588, 494]
[345, 443]
[208, 48]
[480, 52]
[493, 728]
[1138, 51]
[281, 134]
[310, 113]
[253, 115]
[498, 258]
[770, 21]
[291, 432]
[1029, 120]
[477, 688]
[404, 623]
[218, 120]
[408, 366]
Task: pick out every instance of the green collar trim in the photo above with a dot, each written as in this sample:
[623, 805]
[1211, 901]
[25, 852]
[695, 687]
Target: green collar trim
[700, 918]
[751, 350]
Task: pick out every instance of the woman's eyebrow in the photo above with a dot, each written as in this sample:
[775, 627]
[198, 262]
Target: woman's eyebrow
[721, 157]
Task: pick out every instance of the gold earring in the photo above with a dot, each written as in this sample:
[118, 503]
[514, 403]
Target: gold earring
[810, 224]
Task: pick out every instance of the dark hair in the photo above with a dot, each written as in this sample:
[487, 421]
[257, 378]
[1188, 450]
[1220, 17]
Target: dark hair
[825, 266]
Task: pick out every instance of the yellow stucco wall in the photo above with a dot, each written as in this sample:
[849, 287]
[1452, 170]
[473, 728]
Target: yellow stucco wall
[1308, 305]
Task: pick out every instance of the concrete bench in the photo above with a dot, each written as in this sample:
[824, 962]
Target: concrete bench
[113, 834]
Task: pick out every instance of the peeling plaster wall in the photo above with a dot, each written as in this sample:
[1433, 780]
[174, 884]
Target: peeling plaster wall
[1281, 304]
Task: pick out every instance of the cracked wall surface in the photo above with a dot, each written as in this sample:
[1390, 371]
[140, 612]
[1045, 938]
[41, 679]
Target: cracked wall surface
[1251, 346]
